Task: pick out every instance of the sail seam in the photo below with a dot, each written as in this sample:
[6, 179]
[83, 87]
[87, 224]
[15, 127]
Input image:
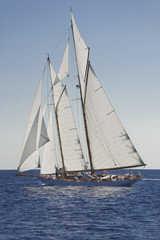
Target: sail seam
[98, 88]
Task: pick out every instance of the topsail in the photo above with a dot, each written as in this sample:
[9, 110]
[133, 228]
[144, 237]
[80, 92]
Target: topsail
[82, 55]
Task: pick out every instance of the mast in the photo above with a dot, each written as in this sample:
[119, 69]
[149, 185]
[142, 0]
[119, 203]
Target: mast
[82, 104]
[57, 123]
[59, 136]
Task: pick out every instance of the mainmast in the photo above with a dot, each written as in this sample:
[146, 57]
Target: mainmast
[82, 101]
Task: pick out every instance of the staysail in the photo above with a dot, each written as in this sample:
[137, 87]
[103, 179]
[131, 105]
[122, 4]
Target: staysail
[71, 148]
[110, 145]
[49, 161]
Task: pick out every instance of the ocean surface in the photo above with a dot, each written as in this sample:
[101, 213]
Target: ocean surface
[30, 210]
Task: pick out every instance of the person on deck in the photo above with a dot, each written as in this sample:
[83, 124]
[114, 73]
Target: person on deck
[56, 172]
[139, 174]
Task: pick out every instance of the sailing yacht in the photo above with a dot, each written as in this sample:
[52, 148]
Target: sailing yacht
[64, 157]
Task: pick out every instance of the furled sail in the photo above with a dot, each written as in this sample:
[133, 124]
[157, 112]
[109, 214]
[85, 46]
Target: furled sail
[110, 145]
[72, 151]
[49, 162]
[82, 54]
[35, 134]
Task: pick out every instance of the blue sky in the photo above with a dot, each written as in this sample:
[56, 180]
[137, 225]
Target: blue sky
[124, 38]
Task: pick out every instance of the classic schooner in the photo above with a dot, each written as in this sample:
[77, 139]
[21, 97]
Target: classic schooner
[63, 156]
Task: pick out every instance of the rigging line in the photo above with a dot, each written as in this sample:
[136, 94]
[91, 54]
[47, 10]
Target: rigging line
[69, 28]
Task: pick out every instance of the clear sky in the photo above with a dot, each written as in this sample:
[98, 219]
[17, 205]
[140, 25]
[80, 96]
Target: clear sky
[124, 38]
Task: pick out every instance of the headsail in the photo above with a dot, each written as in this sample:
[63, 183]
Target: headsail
[31, 162]
[35, 134]
[110, 145]
[43, 135]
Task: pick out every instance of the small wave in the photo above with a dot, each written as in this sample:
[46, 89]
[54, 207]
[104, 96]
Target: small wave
[152, 179]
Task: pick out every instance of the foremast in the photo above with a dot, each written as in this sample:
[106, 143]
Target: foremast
[56, 116]
[59, 136]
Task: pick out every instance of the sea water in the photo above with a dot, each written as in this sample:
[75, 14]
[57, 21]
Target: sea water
[30, 210]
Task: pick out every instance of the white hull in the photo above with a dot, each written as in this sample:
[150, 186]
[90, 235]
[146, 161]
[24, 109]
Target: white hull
[56, 182]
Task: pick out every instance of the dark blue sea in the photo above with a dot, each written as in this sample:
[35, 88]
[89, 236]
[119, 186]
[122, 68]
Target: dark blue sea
[30, 210]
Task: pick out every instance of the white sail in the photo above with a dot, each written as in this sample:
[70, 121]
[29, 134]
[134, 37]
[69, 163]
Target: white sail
[109, 142]
[48, 162]
[64, 70]
[42, 133]
[82, 54]
[71, 148]
[35, 125]
[56, 84]
[62, 74]
[31, 162]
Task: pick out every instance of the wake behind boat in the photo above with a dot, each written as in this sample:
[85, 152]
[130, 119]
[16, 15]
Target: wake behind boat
[79, 141]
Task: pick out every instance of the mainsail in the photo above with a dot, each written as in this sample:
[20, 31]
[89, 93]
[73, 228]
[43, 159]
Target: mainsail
[111, 146]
